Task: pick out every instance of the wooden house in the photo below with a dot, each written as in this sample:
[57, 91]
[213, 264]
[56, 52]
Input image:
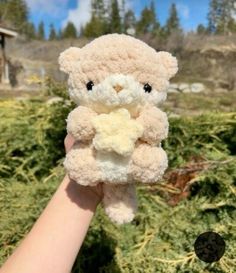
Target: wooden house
[4, 68]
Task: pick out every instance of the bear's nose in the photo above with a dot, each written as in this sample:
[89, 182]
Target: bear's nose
[118, 88]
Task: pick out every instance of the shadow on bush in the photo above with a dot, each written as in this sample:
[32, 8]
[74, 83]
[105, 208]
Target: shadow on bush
[97, 254]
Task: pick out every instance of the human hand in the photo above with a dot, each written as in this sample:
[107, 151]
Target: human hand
[93, 194]
[69, 223]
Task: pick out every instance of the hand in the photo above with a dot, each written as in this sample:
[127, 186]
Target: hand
[62, 225]
[94, 193]
[69, 142]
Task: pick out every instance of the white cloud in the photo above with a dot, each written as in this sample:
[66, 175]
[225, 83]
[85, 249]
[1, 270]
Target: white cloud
[53, 8]
[183, 10]
[128, 4]
[80, 15]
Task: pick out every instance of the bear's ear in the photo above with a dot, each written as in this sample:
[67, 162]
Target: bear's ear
[67, 59]
[169, 62]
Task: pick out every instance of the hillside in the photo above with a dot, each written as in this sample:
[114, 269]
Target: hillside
[210, 60]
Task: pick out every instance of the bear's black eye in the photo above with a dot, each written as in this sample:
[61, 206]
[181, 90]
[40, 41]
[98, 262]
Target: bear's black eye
[147, 88]
[90, 85]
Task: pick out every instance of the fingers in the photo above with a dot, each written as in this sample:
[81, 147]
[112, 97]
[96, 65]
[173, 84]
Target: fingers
[69, 142]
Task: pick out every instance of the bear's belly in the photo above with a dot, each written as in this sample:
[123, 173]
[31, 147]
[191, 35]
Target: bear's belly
[114, 167]
[116, 132]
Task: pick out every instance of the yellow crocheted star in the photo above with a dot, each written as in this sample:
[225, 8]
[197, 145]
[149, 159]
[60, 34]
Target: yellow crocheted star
[116, 131]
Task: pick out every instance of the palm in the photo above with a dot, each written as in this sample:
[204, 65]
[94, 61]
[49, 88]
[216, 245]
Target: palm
[95, 191]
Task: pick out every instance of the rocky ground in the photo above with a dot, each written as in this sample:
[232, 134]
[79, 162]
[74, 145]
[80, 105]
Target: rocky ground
[206, 79]
[205, 63]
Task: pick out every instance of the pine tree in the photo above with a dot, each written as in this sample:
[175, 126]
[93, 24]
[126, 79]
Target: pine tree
[15, 13]
[59, 35]
[156, 24]
[213, 16]
[201, 29]
[143, 25]
[98, 8]
[30, 31]
[172, 23]
[148, 22]
[41, 32]
[69, 32]
[227, 12]
[122, 14]
[81, 32]
[129, 20]
[52, 33]
[221, 16]
[115, 20]
[232, 25]
[98, 23]
[123, 9]
[232, 20]
[221, 27]
[3, 10]
[94, 28]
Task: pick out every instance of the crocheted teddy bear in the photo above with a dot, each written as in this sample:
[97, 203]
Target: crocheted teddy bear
[117, 81]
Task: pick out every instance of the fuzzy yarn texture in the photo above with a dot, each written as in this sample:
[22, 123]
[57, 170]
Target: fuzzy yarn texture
[117, 125]
[116, 132]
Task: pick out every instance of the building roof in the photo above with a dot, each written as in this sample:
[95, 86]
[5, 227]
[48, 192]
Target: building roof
[8, 32]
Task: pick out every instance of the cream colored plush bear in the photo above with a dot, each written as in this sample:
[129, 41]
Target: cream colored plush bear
[117, 82]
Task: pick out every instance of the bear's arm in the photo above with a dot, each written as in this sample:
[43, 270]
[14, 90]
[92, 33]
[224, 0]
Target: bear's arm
[79, 123]
[155, 124]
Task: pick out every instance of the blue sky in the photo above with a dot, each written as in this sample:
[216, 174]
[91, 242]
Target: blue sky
[59, 12]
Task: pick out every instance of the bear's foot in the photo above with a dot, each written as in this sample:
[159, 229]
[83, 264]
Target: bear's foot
[120, 202]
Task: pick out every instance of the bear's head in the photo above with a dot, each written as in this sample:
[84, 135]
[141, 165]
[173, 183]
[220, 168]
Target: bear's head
[117, 71]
